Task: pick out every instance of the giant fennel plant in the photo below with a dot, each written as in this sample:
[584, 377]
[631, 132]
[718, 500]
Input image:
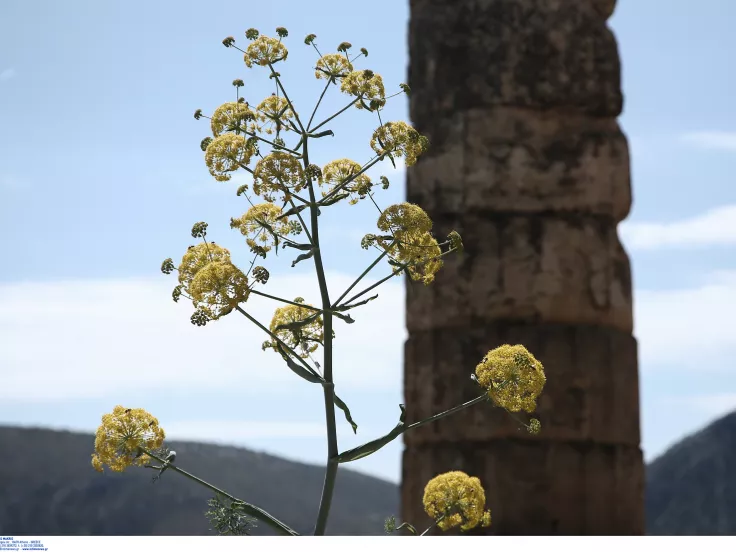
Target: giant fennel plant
[271, 142]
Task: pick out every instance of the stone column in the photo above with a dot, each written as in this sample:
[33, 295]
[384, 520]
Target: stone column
[519, 99]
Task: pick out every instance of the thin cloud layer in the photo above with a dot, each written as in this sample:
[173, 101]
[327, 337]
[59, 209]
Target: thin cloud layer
[714, 227]
[688, 329]
[711, 140]
[63, 340]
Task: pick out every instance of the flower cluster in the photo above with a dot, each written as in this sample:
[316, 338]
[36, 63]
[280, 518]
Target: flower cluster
[214, 284]
[264, 51]
[412, 241]
[123, 435]
[275, 113]
[333, 66]
[232, 117]
[337, 172]
[262, 226]
[513, 377]
[218, 288]
[298, 327]
[278, 172]
[228, 153]
[399, 139]
[366, 85]
[454, 499]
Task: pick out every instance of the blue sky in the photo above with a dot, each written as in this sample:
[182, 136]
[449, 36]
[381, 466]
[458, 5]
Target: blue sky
[101, 178]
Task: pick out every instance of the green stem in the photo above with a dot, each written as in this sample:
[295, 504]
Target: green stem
[311, 130]
[436, 417]
[365, 272]
[401, 267]
[328, 386]
[254, 511]
[285, 300]
[301, 221]
[428, 529]
[349, 180]
[324, 90]
[286, 96]
[276, 338]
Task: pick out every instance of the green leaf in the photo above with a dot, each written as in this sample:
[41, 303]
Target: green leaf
[344, 317]
[299, 246]
[342, 406]
[302, 257]
[298, 369]
[369, 448]
[408, 526]
[348, 307]
[334, 199]
[299, 323]
[293, 211]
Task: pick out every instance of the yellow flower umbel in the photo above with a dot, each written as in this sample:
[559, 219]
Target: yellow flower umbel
[367, 85]
[513, 377]
[333, 66]
[456, 500]
[232, 117]
[265, 50]
[336, 172]
[399, 139]
[410, 225]
[304, 338]
[121, 436]
[423, 252]
[228, 153]
[404, 218]
[274, 112]
[255, 223]
[278, 172]
[218, 288]
[197, 257]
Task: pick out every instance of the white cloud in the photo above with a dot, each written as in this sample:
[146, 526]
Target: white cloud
[712, 140]
[688, 328]
[714, 227]
[712, 405]
[7, 74]
[93, 338]
[230, 431]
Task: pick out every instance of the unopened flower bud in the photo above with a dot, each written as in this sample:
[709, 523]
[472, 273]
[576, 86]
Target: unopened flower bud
[199, 230]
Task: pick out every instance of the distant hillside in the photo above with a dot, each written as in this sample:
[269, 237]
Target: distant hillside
[48, 487]
[691, 489]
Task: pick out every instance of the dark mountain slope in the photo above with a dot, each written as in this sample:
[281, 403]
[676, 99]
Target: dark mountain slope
[48, 487]
[691, 488]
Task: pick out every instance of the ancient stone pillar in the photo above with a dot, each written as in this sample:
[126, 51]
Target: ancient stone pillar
[519, 99]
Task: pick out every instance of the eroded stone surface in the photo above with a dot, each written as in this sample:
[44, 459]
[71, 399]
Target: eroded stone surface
[510, 159]
[541, 54]
[519, 99]
[552, 268]
[591, 392]
[537, 488]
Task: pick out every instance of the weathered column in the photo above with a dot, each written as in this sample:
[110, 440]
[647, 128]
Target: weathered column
[519, 99]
